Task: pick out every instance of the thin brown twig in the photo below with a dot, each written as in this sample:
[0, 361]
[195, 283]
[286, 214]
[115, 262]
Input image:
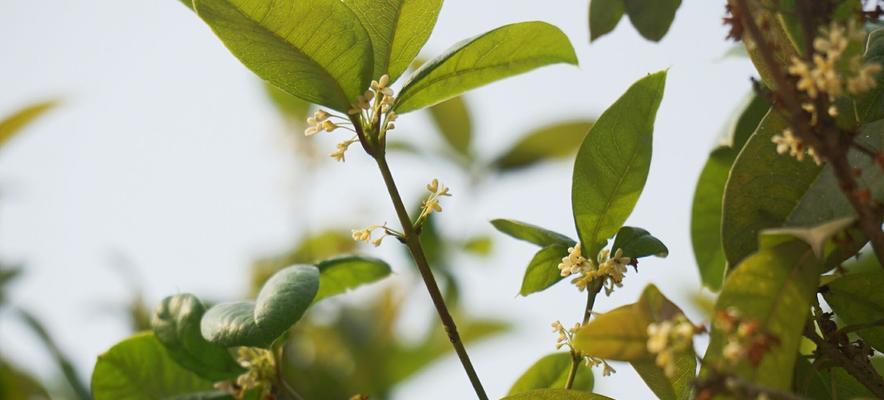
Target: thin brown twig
[860, 369]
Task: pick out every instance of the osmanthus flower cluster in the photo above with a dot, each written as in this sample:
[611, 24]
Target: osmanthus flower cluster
[610, 270]
[372, 110]
[259, 375]
[670, 339]
[835, 69]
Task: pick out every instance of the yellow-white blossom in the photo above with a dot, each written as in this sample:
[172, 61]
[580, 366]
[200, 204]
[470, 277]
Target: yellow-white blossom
[315, 122]
[341, 149]
[670, 339]
[431, 204]
[365, 235]
[788, 143]
[574, 262]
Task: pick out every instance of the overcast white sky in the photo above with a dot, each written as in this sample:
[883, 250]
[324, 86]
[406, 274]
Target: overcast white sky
[166, 150]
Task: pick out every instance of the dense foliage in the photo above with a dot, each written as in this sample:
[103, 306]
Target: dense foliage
[786, 221]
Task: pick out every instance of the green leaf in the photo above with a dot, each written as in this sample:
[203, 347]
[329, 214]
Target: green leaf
[613, 162]
[452, 117]
[291, 107]
[498, 54]
[652, 18]
[676, 388]
[870, 105]
[706, 216]
[858, 299]
[543, 270]
[638, 243]
[775, 287]
[622, 334]
[12, 124]
[796, 194]
[827, 384]
[551, 372]
[398, 30]
[316, 50]
[309, 250]
[532, 233]
[139, 368]
[280, 304]
[706, 209]
[547, 143]
[556, 394]
[176, 324]
[604, 15]
[338, 275]
[187, 3]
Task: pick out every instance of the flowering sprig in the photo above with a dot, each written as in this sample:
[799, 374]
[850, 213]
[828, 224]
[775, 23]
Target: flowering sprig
[669, 339]
[374, 108]
[834, 69]
[611, 270]
[431, 204]
[365, 235]
[565, 338]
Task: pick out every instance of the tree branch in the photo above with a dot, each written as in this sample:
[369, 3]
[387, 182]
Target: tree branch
[860, 369]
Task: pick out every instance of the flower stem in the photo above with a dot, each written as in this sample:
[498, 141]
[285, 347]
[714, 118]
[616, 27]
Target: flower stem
[591, 294]
[412, 241]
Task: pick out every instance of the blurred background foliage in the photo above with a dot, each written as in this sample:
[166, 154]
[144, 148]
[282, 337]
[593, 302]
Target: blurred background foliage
[340, 349]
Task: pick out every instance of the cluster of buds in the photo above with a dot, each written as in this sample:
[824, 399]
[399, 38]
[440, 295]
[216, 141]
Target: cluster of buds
[375, 107]
[321, 121]
[260, 373]
[745, 340]
[431, 204]
[670, 339]
[610, 270]
[835, 68]
[365, 235]
[565, 338]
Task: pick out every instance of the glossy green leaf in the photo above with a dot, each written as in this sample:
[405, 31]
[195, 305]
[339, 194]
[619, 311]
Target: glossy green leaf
[552, 142]
[637, 243]
[706, 207]
[498, 54]
[796, 194]
[706, 216]
[309, 250]
[338, 275]
[139, 368]
[452, 118]
[291, 107]
[870, 105]
[176, 324]
[826, 384]
[613, 162]
[556, 394]
[652, 18]
[532, 233]
[621, 334]
[543, 270]
[398, 30]
[604, 15]
[280, 304]
[858, 299]
[187, 3]
[551, 372]
[775, 287]
[12, 124]
[316, 50]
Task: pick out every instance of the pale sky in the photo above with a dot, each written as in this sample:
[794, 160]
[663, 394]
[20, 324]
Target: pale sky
[167, 151]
